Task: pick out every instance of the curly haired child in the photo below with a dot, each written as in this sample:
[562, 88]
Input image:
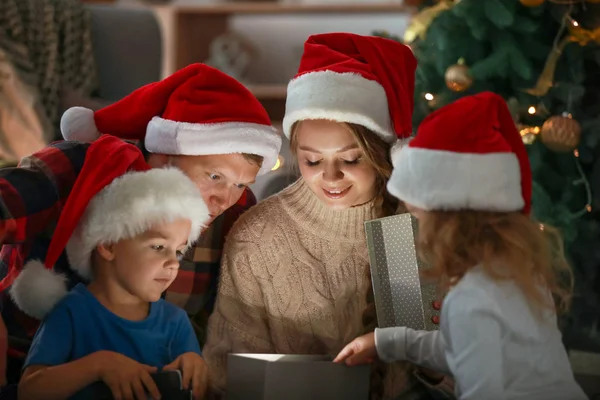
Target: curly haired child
[467, 179]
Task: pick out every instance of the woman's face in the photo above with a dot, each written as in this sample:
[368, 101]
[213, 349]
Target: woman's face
[333, 165]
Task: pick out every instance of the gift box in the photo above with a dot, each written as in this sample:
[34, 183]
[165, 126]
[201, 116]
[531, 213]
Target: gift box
[402, 298]
[294, 377]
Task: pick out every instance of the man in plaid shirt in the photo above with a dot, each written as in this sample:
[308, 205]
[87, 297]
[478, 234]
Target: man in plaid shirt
[199, 120]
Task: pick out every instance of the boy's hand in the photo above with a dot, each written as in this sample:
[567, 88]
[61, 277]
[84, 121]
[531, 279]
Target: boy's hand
[360, 351]
[126, 378]
[194, 372]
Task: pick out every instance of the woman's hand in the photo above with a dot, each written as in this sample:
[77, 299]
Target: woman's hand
[361, 350]
[194, 372]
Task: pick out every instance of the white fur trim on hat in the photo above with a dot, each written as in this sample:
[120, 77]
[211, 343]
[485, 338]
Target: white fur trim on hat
[346, 97]
[130, 205]
[181, 138]
[77, 123]
[37, 289]
[398, 146]
[445, 180]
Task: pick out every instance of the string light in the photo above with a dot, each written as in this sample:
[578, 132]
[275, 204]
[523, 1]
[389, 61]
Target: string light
[530, 130]
[582, 181]
[531, 110]
[571, 20]
[528, 133]
[428, 96]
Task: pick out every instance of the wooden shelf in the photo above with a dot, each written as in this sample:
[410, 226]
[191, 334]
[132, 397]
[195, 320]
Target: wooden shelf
[189, 29]
[290, 8]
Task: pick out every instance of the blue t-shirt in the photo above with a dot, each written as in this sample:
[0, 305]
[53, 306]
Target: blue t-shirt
[80, 325]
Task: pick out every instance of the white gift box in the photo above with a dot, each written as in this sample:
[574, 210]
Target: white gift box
[294, 377]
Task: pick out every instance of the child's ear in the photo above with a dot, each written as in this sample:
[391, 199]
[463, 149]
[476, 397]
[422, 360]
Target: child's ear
[106, 251]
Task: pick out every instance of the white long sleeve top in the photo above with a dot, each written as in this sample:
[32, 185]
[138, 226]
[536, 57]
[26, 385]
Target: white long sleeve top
[491, 342]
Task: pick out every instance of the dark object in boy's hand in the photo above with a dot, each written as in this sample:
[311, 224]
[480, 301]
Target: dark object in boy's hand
[169, 384]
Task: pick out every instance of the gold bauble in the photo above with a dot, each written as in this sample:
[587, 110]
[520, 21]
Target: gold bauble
[458, 78]
[532, 3]
[561, 133]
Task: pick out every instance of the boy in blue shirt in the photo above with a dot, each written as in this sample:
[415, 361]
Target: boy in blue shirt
[127, 226]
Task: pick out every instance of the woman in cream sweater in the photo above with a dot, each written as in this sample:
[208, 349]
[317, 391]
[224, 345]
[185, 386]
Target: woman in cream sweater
[295, 273]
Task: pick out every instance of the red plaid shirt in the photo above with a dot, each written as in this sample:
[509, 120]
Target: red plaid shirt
[32, 198]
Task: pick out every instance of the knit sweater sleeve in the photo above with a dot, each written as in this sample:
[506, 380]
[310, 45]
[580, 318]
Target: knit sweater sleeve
[239, 321]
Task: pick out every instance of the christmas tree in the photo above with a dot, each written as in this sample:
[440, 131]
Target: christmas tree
[543, 57]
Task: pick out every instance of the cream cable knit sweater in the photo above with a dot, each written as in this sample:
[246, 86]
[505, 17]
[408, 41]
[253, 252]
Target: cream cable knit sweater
[294, 280]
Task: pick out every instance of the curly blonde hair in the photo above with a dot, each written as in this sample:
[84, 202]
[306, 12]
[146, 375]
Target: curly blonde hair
[508, 246]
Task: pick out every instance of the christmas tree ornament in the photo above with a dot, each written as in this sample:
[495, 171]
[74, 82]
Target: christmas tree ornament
[458, 78]
[532, 3]
[561, 133]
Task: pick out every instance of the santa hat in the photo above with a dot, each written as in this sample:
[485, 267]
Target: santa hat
[116, 196]
[465, 156]
[196, 111]
[357, 79]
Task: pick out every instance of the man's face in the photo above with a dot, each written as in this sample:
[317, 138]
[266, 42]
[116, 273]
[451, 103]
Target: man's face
[221, 178]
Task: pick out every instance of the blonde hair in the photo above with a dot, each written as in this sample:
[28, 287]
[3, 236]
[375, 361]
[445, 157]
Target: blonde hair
[376, 153]
[508, 246]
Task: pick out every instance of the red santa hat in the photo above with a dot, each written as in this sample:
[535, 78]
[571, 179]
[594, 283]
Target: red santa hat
[196, 111]
[116, 196]
[465, 156]
[363, 80]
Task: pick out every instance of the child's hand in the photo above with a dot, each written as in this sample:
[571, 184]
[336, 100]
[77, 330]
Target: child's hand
[125, 377]
[360, 351]
[194, 372]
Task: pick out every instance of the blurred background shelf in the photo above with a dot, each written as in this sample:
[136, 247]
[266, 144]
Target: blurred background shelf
[285, 8]
[269, 92]
[189, 29]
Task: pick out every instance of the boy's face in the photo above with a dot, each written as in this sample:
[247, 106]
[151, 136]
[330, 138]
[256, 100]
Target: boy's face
[146, 265]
